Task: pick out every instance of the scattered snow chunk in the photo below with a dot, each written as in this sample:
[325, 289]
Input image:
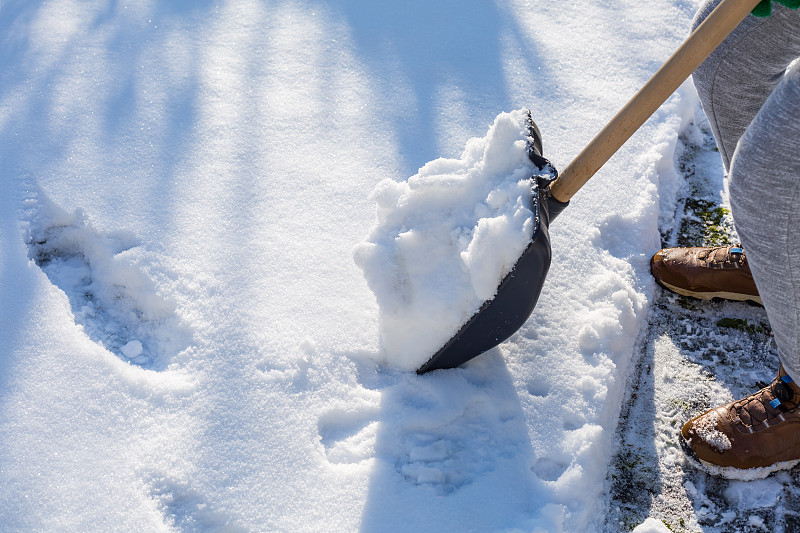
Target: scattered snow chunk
[651, 525]
[589, 385]
[756, 521]
[423, 474]
[690, 489]
[132, 349]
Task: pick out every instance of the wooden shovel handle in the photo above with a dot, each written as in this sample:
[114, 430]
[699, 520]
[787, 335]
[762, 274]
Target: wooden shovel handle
[697, 47]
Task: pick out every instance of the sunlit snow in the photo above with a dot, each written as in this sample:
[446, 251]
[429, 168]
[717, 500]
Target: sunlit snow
[186, 341]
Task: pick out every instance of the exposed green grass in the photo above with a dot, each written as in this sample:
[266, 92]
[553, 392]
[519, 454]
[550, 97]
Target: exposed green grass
[744, 325]
[714, 228]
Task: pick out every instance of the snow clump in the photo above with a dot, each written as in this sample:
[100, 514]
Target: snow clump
[707, 430]
[445, 238]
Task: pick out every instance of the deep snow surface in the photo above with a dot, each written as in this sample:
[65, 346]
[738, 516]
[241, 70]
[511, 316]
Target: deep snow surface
[186, 343]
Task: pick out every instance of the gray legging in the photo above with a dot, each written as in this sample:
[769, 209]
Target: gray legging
[752, 98]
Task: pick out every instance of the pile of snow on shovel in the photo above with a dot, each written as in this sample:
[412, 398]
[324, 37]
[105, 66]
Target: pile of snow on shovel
[445, 238]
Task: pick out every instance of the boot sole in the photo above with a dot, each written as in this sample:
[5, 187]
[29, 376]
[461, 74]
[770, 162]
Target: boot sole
[730, 472]
[735, 296]
[746, 474]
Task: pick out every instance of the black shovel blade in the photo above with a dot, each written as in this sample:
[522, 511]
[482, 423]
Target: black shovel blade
[503, 315]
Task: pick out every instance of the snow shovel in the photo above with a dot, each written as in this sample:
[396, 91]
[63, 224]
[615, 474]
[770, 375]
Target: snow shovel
[503, 315]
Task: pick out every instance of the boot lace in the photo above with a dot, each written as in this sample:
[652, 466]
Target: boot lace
[721, 256]
[766, 407]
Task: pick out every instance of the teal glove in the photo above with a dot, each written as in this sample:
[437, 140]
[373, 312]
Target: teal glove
[764, 8]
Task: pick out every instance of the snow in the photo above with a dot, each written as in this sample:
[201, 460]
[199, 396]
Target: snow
[707, 430]
[651, 525]
[185, 340]
[132, 349]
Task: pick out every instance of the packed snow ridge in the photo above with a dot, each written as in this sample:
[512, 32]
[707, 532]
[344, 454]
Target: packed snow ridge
[446, 237]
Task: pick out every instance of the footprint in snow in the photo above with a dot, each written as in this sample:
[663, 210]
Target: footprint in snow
[549, 469]
[186, 509]
[106, 279]
[348, 437]
[462, 434]
[539, 388]
[436, 462]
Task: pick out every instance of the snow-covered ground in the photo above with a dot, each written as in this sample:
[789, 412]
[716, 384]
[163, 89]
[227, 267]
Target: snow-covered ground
[186, 341]
[692, 356]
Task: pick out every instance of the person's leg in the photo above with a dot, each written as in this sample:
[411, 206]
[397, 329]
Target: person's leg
[753, 102]
[733, 84]
[765, 201]
[736, 79]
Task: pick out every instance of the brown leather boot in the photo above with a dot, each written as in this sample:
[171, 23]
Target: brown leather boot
[706, 273]
[752, 437]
